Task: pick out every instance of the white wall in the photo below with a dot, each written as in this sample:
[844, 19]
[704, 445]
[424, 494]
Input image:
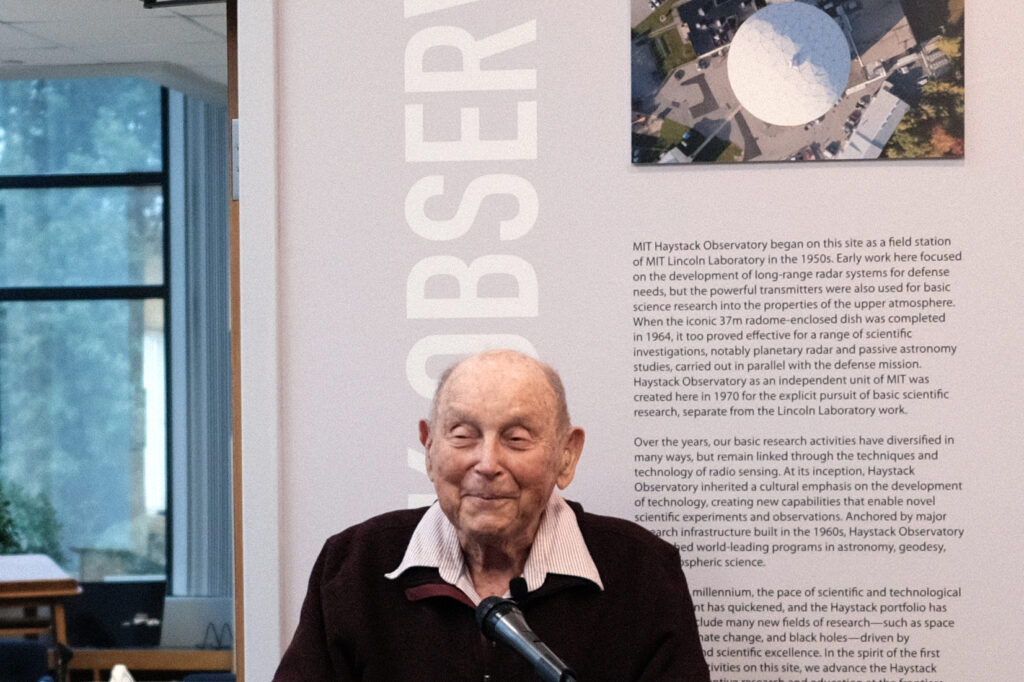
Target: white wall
[330, 401]
[258, 274]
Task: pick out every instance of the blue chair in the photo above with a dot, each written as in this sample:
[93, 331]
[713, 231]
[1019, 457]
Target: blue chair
[209, 677]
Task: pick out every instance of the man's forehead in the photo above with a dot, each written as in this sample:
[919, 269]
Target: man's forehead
[459, 412]
[517, 381]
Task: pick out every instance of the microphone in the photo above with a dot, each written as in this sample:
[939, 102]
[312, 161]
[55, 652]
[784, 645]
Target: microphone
[502, 621]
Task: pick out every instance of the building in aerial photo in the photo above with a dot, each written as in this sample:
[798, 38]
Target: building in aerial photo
[718, 81]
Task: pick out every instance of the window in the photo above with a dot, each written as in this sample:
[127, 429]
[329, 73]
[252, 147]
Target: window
[113, 321]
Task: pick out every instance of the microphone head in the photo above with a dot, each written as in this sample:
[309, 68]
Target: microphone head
[490, 611]
[502, 621]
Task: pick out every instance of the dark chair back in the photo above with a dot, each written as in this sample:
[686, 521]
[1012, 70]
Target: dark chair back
[23, 660]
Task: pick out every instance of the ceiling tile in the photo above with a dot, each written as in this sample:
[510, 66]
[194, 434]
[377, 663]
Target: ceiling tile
[50, 56]
[205, 9]
[12, 37]
[97, 32]
[216, 24]
[185, 54]
[128, 32]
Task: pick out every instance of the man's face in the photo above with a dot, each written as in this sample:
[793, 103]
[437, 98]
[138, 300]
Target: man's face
[494, 452]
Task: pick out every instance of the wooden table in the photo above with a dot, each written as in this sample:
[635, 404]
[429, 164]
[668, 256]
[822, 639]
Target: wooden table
[29, 581]
[100, 661]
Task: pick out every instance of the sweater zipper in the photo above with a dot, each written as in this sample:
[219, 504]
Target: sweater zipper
[488, 659]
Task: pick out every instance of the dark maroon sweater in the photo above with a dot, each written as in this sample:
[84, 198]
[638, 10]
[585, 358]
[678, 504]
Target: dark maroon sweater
[358, 625]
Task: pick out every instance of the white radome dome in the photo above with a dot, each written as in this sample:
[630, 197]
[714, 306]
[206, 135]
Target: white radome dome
[789, 63]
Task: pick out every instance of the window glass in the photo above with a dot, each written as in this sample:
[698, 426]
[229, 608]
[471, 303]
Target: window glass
[86, 125]
[83, 362]
[88, 236]
[82, 386]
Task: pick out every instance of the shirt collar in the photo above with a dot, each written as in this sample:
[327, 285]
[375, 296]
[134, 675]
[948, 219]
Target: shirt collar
[559, 548]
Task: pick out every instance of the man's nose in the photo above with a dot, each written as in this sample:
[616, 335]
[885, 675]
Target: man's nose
[489, 457]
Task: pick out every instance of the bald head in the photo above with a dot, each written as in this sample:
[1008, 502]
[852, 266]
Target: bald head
[491, 359]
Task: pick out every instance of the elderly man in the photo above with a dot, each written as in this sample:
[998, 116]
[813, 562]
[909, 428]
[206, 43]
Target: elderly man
[393, 598]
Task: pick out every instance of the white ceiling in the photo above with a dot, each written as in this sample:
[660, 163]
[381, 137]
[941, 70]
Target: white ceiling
[183, 47]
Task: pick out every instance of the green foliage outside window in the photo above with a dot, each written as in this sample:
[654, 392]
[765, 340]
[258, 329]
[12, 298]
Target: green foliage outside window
[10, 541]
[29, 524]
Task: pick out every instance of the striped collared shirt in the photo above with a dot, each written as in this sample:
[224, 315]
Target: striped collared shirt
[558, 548]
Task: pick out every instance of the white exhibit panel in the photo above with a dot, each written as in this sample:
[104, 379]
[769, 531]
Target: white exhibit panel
[805, 376]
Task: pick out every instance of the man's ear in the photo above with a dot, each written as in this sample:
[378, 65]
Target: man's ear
[426, 440]
[424, 432]
[572, 448]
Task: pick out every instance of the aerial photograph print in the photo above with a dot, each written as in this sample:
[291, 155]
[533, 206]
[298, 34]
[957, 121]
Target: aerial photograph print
[726, 81]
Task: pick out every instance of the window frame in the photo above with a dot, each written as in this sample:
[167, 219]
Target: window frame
[131, 292]
[193, 152]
